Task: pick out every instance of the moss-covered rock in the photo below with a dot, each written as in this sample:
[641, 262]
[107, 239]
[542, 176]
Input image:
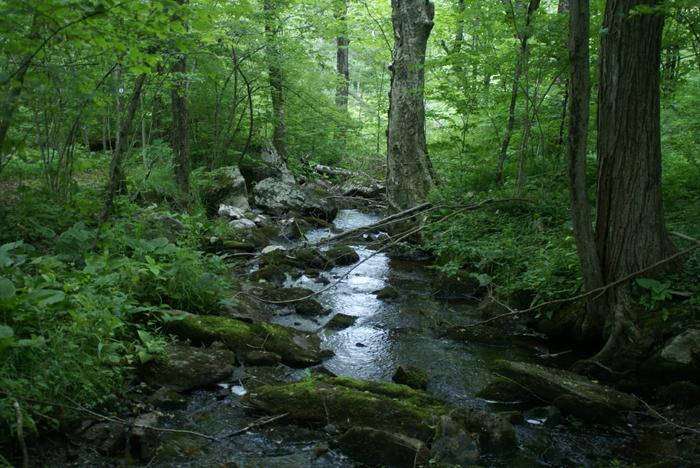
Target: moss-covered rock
[346, 403]
[340, 321]
[572, 393]
[309, 307]
[452, 445]
[297, 349]
[504, 390]
[341, 255]
[411, 376]
[261, 358]
[223, 185]
[183, 368]
[386, 293]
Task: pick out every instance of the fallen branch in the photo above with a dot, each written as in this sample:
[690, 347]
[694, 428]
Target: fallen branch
[598, 291]
[258, 423]
[660, 416]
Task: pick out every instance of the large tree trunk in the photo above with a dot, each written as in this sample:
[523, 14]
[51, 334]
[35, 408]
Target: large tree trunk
[116, 184]
[342, 57]
[630, 232]
[409, 172]
[580, 84]
[179, 138]
[276, 80]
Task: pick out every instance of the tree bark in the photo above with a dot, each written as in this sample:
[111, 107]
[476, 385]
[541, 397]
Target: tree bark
[10, 106]
[630, 233]
[180, 126]
[580, 84]
[342, 57]
[276, 80]
[409, 171]
[116, 184]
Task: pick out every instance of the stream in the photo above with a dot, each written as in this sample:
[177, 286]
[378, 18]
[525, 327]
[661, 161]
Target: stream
[386, 334]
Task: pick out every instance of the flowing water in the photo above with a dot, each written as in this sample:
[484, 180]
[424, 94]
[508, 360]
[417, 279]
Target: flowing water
[387, 334]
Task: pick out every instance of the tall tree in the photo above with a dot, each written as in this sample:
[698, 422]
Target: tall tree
[342, 56]
[180, 133]
[580, 90]
[276, 78]
[409, 171]
[630, 231]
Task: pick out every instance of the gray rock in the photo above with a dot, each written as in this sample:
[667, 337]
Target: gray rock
[342, 255]
[230, 211]
[223, 185]
[108, 438]
[143, 441]
[183, 368]
[309, 307]
[452, 446]
[683, 351]
[243, 223]
[279, 197]
[386, 293]
[167, 399]
[381, 448]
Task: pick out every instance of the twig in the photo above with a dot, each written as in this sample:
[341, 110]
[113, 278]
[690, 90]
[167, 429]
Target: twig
[658, 415]
[20, 434]
[258, 423]
[598, 291]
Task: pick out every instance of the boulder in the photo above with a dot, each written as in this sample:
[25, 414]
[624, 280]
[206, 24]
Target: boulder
[412, 376]
[376, 447]
[452, 446]
[353, 188]
[279, 197]
[267, 164]
[504, 391]
[346, 403]
[167, 399]
[232, 212]
[571, 393]
[495, 433]
[340, 321]
[679, 357]
[386, 293]
[342, 255]
[224, 185]
[183, 368]
[143, 441]
[242, 224]
[309, 307]
[296, 348]
[106, 437]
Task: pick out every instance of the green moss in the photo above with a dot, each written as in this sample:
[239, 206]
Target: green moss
[347, 402]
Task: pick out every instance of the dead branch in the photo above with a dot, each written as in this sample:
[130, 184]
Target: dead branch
[598, 291]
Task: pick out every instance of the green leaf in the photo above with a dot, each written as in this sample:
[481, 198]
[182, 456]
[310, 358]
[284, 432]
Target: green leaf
[648, 283]
[6, 332]
[7, 288]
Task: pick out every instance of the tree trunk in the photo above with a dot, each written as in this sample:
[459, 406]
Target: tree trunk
[563, 9]
[342, 57]
[580, 83]
[276, 80]
[116, 184]
[409, 171]
[10, 106]
[180, 134]
[630, 232]
[520, 64]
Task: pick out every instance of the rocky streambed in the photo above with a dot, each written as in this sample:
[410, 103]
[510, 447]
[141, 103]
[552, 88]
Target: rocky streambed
[381, 366]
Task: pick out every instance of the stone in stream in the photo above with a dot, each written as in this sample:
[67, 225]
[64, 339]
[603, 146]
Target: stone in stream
[278, 197]
[376, 447]
[341, 321]
[183, 368]
[571, 393]
[342, 255]
[167, 399]
[296, 348]
[346, 403]
[386, 293]
[504, 391]
[452, 445]
[309, 307]
[411, 376]
[284, 294]
[495, 433]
